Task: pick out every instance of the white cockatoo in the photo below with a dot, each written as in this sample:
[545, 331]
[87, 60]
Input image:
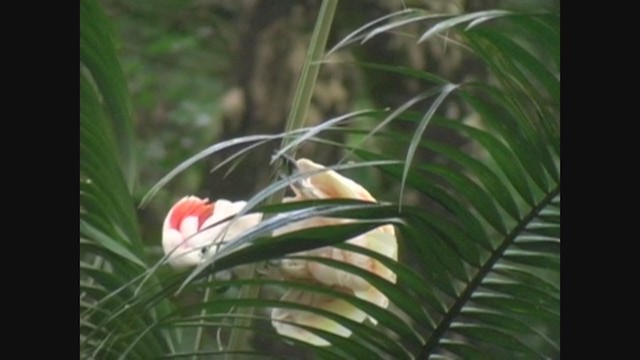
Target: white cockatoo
[187, 234]
[329, 184]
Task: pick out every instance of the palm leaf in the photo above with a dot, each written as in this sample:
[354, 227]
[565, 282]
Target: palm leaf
[97, 55]
[111, 250]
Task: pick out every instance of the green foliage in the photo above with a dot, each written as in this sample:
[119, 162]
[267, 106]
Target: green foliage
[478, 275]
[111, 250]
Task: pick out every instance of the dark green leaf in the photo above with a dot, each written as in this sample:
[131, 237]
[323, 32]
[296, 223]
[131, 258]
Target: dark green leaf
[533, 258]
[488, 178]
[538, 243]
[470, 223]
[455, 238]
[502, 156]
[464, 350]
[109, 244]
[518, 105]
[544, 229]
[527, 278]
[520, 307]
[97, 53]
[430, 264]
[513, 133]
[506, 322]
[495, 337]
[444, 253]
[524, 291]
[527, 60]
[479, 199]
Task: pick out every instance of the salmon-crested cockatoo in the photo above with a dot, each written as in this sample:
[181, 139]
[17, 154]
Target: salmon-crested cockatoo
[188, 235]
[323, 183]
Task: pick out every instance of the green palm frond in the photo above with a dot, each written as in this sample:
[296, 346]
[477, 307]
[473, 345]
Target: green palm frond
[98, 59]
[111, 250]
[496, 309]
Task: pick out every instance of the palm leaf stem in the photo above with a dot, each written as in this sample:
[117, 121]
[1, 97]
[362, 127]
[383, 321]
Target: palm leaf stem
[445, 323]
